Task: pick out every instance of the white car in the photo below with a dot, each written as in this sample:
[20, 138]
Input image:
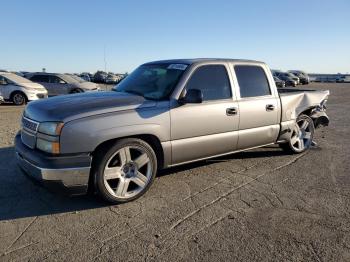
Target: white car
[20, 90]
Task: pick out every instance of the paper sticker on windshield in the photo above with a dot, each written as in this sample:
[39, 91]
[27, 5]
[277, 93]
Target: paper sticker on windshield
[177, 66]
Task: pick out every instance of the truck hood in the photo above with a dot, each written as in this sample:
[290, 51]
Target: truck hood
[70, 107]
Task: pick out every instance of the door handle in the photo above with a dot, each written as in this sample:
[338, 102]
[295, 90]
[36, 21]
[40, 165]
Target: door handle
[231, 111]
[270, 107]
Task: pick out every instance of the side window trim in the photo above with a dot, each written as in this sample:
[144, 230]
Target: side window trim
[238, 90]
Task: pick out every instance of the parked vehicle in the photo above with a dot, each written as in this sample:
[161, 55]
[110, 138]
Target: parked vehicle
[20, 90]
[289, 81]
[290, 75]
[342, 79]
[112, 79]
[87, 77]
[164, 114]
[279, 83]
[100, 77]
[61, 84]
[304, 78]
[294, 77]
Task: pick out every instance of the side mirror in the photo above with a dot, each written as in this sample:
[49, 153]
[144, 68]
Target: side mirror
[193, 96]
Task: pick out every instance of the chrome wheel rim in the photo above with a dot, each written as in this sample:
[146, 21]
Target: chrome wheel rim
[127, 172]
[18, 99]
[301, 135]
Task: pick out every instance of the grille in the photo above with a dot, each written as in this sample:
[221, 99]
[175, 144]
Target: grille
[30, 124]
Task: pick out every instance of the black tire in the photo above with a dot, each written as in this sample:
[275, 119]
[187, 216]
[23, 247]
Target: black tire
[104, 156]
[18, 98]
[291, 147]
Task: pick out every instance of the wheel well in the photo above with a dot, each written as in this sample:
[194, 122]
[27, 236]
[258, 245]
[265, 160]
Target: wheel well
[307, 111]
[76, 89]
[152, 140]
[16, 92]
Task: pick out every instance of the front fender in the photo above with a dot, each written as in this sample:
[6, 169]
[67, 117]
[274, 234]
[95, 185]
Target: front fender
[84, 135]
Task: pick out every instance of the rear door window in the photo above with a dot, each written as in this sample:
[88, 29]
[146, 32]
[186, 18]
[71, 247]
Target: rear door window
[252, 81]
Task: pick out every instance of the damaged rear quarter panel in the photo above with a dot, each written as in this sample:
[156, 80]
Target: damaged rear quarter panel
[295, 102]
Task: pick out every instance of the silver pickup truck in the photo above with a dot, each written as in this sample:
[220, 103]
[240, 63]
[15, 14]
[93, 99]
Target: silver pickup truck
[165, 113]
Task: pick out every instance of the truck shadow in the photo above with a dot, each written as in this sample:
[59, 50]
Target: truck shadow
[21, 197]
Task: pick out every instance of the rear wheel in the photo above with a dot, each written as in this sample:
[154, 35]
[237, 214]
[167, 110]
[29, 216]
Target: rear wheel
[125, 171]
[302, 135]
[18, 98]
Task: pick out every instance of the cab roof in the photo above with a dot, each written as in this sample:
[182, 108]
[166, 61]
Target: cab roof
[191, 61]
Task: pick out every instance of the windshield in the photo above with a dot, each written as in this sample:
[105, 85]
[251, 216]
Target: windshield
[78, 78]
[154, 82]
[16, 78]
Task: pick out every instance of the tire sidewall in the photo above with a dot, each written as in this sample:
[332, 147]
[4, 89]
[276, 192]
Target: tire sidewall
[23, 96]
[102, 161]
[311, 123]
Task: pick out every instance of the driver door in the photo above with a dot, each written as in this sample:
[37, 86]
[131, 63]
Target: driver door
[209, 128]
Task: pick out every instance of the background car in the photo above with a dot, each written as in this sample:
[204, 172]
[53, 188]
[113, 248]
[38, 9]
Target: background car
[286, 77]
[342, 79]
[304, 78]
[61, 84]
[100, 77]
[294, 77]
[87, 77]
[279, 83]
[112, 79]
[20, 90]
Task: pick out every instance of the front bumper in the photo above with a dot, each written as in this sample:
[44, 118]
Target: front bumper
[69, 174]
[36, 96]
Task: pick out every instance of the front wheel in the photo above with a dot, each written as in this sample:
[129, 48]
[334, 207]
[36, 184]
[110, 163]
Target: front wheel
[125, 171]
[302, 135]
[18, 99]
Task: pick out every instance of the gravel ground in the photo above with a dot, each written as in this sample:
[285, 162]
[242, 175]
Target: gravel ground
[258, 205]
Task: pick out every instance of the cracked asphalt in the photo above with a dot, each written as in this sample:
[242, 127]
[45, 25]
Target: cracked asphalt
[260, 205]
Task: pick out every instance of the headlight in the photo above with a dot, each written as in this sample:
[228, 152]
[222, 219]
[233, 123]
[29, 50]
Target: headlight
[48, 146]
[51, 128]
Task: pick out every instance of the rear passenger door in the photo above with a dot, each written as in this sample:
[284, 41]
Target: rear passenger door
[259, 106]
[208, 128]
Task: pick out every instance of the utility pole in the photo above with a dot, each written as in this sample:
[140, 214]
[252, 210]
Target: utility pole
[104, 57]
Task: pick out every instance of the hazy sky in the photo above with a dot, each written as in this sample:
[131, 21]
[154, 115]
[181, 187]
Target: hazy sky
[71, 36]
